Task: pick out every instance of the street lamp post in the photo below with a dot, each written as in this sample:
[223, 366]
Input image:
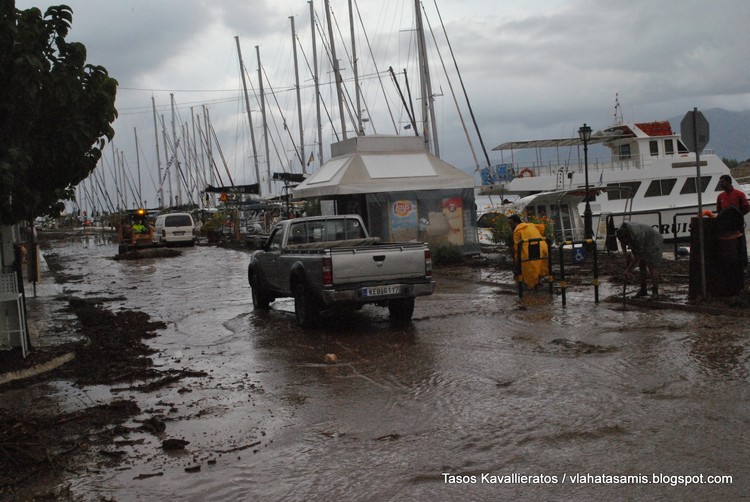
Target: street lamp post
[585, 134]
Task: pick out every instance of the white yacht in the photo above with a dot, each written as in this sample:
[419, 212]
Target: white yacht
[649, 176]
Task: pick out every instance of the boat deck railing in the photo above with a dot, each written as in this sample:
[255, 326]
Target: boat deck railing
[596, 164]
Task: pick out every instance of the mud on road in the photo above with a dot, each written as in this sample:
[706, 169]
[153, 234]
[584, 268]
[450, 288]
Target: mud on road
[37, 445]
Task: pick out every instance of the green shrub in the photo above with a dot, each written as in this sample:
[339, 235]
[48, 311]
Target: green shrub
[447, 255]
[501, 233]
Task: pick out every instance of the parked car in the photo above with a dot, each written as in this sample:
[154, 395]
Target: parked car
[175, 228]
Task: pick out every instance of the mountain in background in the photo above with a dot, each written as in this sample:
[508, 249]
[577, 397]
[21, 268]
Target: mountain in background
[728, 132]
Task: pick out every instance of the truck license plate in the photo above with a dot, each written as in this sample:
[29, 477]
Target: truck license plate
[381, 290]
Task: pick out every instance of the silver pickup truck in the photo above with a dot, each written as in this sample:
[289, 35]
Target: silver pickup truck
[330, 261]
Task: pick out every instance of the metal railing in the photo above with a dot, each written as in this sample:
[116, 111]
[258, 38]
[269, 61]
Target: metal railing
[579, 254]
[578, 250]
[534, 253]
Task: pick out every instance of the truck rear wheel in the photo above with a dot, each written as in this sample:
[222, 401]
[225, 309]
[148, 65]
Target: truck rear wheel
[306, 306]
[261, 299]
[401, 309]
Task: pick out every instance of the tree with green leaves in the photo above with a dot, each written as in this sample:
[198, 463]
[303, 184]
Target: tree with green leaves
[56, 112]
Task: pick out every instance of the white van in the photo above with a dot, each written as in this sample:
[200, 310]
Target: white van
[175, 228]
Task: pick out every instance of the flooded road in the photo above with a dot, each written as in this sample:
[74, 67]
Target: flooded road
[482, 397]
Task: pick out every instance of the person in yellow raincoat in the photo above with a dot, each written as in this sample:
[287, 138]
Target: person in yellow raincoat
[532, 270]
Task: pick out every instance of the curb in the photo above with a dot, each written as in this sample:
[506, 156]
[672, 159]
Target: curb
[703, 309]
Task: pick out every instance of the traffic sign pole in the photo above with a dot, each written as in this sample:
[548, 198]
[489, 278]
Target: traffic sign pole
[694, 131]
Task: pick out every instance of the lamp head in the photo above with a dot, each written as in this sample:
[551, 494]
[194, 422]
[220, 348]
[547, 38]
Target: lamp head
[584, 133]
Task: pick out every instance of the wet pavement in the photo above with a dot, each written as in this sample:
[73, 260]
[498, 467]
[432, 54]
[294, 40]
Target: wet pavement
[484, 396]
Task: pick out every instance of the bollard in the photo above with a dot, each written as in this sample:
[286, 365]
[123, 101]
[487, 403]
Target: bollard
[563, 282]
[596, 272]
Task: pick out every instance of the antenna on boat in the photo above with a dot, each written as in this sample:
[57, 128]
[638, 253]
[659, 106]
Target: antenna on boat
[618, 111]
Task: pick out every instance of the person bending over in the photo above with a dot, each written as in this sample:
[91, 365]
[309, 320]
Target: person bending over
[645, 244]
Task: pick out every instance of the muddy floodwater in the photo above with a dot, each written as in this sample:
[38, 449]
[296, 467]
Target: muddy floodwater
[481, 397]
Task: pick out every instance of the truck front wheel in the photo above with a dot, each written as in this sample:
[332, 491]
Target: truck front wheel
[306, 307]
[401, 309]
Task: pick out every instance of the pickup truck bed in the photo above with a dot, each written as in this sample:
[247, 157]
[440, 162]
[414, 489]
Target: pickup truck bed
[346, 243]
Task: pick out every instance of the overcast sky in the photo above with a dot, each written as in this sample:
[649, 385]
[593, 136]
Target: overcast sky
[532, 70]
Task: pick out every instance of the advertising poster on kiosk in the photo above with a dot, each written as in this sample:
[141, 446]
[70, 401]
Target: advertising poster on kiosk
[453, 209]
[403, 220]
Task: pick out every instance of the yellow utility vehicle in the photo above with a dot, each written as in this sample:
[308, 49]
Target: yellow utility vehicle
[135, 231]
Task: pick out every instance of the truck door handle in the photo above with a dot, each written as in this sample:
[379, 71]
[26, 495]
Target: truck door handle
[380, 257]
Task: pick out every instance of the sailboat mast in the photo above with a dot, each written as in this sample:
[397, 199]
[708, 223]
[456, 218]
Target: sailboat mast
[138, 166]
[463, 87]
[428, 111]
[200, 180]
[317, 84]
[299, 99]
[160, 190]
[114, 177]
[166, 158]
[336, 70]
[455, 100]
[123, 182]
[175, 149]
[263, 114]
[360, 129]
[249, 118]
[409, 112]
[210, 155]
[187, 174]
[411, 104]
